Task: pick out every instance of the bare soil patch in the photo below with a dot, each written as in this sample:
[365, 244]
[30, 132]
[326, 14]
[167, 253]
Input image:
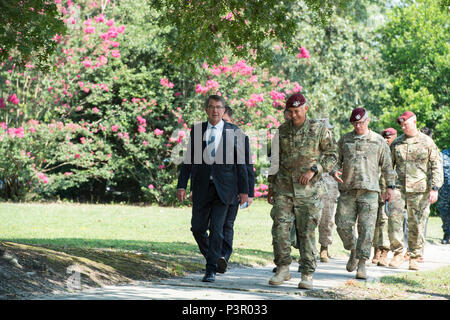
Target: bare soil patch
[30, 270]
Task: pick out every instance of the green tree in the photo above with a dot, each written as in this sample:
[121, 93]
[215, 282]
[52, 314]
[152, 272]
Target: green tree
[415, 50]
[342, 71]
[28, 29]
[202, 28]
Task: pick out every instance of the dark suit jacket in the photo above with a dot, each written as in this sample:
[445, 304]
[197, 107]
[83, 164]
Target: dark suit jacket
[229, 178]
[250, 172]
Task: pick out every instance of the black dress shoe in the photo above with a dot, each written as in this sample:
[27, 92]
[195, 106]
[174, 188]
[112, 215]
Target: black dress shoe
[209, 276]
[222, 265]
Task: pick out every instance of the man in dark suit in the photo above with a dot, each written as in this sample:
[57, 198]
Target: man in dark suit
[228, 228]
[215, 163]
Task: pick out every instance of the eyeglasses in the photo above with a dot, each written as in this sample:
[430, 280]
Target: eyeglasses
[357, 124]
[215, 107]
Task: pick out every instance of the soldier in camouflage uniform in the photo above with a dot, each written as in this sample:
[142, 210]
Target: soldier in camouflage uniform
[381, 243]
[444, 197]
[326, 224]
[362, 154]
[302, 150]
[418, 164]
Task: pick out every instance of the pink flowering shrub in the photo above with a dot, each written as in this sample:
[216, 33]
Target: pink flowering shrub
[104, 123]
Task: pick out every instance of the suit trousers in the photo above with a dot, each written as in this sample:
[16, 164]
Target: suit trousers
[209, 215]
[228, 230]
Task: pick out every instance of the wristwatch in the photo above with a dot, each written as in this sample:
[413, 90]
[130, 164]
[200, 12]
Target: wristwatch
[434, 188]
[391, 187]
[314, 169]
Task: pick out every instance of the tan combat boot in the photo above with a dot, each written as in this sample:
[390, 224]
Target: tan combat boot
[323, 254]
[361, 273]
[376, 256]
[307, 281]
[352, 261]
[397, 260]
[383, 258]
[413, 263]
[280, 276]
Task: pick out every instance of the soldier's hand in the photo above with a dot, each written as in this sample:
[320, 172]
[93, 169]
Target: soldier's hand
[390, 195]
[337, 176]
[304, 178]
[270, 196]
[433, 196]
[250, 200]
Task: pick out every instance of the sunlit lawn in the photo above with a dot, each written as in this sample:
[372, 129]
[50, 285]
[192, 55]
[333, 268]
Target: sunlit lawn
[146, 229]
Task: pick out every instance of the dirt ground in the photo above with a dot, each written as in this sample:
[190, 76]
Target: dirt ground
[29, 270]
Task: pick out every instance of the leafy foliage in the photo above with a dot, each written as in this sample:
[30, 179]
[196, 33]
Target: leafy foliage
[28, 29]
[416, 53]
[105, 123]
[239, 26]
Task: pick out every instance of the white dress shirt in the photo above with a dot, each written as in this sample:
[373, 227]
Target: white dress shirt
[217, 135]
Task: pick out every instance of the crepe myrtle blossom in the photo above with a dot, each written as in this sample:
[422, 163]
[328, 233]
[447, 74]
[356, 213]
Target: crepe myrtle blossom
[16, 132]
[304, 53]
[158, 132]
[99, 18]
[254, 99]
[297, 88]
[165, 82]
[13, 99]
[115, 53]
[210, 85]
[141, 121]
[42, 177]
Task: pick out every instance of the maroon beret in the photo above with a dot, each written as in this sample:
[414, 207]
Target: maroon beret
[405, 116]
[389, 132]
[296, 100]
[358, 114]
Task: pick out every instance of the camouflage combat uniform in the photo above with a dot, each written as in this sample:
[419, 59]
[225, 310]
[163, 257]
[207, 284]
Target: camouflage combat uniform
[299, 149]
[414, 159]
[444, 194]
[329, 200]
[381, 235]
[361, 158]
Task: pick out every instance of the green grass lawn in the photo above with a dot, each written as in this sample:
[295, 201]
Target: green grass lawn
[145, 229]
[163, 235]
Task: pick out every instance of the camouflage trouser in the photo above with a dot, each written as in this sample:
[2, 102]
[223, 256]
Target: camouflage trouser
[326, 224]
[361, 205]
[381, 234]
[418, 209]
[443, 207]
[307, 213]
